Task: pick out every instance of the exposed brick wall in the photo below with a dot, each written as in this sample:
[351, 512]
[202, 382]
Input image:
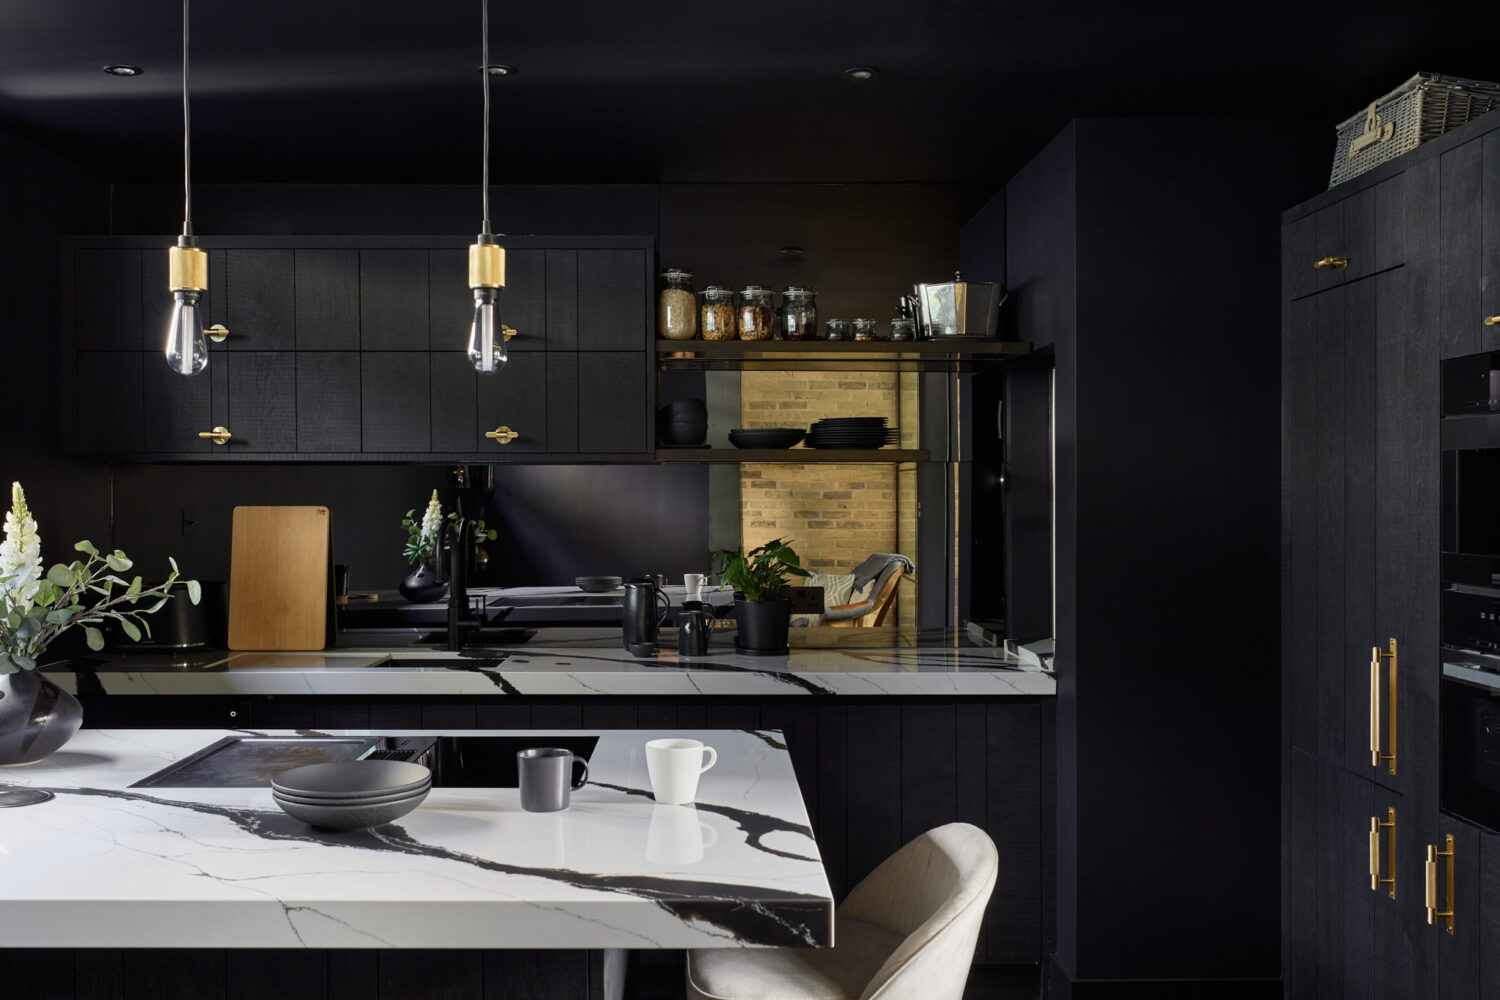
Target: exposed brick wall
[834, 515]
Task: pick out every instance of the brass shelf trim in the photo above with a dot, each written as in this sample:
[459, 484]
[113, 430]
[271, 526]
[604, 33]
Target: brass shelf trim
[1376, 825]
[1375, 755]
[1433, 913]
[793, 456]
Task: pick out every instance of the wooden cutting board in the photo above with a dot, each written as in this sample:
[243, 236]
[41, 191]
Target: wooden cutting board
[280, 567]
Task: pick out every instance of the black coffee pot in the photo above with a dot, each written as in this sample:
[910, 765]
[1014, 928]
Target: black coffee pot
[645, 608]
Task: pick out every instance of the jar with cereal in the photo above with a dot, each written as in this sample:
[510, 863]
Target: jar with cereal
[676, 307]
[717, 320]
[757, 317]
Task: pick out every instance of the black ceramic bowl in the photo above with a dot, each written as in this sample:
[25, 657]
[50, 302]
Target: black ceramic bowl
[598, 584]
[682, 435]
[765, 437]
[684, 408]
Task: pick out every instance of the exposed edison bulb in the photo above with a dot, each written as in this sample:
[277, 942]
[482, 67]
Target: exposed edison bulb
[486, 344]
[187, 349]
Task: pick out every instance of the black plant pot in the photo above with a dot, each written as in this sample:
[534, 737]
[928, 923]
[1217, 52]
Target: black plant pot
[421, 585]
[36, 717]
[762, 627]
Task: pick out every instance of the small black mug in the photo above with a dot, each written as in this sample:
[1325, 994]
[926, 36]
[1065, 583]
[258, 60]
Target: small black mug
[546, 777]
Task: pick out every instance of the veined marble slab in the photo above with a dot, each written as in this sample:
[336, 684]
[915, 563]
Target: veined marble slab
[595, 667]
[104, 865]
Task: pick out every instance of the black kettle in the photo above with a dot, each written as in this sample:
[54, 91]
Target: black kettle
[646, 607]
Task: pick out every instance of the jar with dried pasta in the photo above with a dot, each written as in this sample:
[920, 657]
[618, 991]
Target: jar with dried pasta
[676, 306]
[716, 318]
[757, 315]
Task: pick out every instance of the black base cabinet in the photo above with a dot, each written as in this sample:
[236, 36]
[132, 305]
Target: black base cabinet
[352, 349]
[1361, 353]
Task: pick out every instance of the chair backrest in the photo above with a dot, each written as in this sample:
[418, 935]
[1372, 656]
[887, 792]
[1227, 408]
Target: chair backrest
[933, 891]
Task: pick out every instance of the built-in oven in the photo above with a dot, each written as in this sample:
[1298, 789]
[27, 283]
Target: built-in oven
[1469, 691]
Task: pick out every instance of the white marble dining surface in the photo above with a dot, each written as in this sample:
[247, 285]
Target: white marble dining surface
[364, 666]
[106, 865]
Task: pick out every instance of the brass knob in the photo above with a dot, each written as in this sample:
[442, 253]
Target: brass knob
[218, 333]
[1337, 263]
[219, 435]
[507, 331]
[1492, 320]
[501, 435]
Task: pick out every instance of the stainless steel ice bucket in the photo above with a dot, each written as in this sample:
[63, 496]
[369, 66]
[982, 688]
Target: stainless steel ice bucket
[959, 308]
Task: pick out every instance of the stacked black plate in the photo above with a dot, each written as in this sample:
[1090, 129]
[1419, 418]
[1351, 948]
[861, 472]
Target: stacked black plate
[850, 432]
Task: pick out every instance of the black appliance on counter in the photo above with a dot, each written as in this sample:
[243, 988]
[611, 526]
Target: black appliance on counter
[1469, 689]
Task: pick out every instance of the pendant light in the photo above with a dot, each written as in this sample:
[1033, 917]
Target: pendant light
[486, 257]
[187, 266]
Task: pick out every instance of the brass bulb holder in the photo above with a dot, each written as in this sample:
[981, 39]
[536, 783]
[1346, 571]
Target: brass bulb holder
[486, 265]
[187, 269]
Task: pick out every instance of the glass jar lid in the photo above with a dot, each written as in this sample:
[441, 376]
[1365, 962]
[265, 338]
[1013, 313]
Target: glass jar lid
[676, 274]
[753, 290]
[717, 291]
[796, 292]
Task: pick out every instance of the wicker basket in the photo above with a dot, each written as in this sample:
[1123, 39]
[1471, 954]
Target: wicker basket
[1421, 109]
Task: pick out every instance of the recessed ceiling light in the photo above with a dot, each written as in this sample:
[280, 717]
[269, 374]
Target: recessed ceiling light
[123, 69]
[498, 69]
[860, 74]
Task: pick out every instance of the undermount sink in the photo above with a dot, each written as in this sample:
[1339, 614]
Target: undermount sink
[456, 761]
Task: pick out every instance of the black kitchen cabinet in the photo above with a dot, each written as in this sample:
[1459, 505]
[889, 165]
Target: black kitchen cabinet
[1470, 251]
[344, 347]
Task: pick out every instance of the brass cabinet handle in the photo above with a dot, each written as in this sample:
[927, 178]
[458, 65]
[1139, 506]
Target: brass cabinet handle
[217, 333]
[1338, 263]
[1376, 825]
[1492, 320]
[219, 435]
[1375, 755]
[501, 435]
[1432, 911]
[506, 331]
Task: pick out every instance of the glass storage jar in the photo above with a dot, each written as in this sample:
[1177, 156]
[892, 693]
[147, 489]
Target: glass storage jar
[799, 313]
[676, 306]
[757, 317]
[716, 318]
[864, 329]
[903, 328]
[836, 329]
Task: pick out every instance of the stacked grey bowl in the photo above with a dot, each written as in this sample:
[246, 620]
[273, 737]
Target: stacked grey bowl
[351, 794]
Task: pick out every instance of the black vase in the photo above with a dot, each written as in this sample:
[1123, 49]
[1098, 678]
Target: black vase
[421, 585]
[36, 717]
[761, 627]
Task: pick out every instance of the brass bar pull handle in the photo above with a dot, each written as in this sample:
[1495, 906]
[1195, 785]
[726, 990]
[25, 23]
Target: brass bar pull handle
[1337, 263]
[1432, 855]
[501, 435]
[1376, 825]
[1492, 320]
[219, 435]
[1375, 755]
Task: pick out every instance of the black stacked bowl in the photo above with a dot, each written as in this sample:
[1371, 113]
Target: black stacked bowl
[683, 424]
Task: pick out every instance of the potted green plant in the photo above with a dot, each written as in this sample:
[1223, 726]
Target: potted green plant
[424, 583]
[760, 579]
[36, 607]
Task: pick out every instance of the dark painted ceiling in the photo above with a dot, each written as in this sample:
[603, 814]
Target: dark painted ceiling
[626, 90]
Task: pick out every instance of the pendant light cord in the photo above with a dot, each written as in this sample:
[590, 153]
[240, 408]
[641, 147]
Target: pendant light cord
[187, 135]
[484, 71]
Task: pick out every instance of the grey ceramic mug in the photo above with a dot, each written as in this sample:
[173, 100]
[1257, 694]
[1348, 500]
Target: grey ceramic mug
[546, 777]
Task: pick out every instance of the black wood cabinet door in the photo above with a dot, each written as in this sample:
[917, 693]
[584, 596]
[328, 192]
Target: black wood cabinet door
[393, 300]
[395, 401]
[1462, 307]
[1299, 523]
[327, 304]
[261, 300]
[612, 402]
[110, 410]
[515, 397]
[1458, 954]
[454, 390]
[262, 394]
[177, 409]
[1490, 226]
[328, 402]
[106, 297]
[1487, 905]
[612, 290]
[1405, 948]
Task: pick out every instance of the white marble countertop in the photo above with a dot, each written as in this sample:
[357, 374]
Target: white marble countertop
[106, 865]
[579, 663]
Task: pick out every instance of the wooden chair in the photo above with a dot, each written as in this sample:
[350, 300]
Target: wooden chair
[880, 605]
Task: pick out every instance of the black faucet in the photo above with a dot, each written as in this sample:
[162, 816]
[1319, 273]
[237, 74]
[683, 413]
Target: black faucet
[460, 534]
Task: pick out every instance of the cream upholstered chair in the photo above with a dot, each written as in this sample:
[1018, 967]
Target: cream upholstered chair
[906, 932]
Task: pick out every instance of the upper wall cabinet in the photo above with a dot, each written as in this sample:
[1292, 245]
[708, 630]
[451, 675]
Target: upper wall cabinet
[1348, 240]
[1470, 250]
[353, 349]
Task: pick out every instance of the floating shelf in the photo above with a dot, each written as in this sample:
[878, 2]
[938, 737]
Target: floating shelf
[794, 456]
[834, 355]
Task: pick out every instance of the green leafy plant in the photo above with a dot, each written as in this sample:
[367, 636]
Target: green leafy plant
[763, 574]
[481, 533]
[36, 609]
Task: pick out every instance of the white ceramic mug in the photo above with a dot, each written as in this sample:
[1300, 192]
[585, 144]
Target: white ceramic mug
[674, 766]
[677, 836]
[693, 584]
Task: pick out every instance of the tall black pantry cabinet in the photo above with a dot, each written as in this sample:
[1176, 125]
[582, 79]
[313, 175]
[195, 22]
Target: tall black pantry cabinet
[1382, 279]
